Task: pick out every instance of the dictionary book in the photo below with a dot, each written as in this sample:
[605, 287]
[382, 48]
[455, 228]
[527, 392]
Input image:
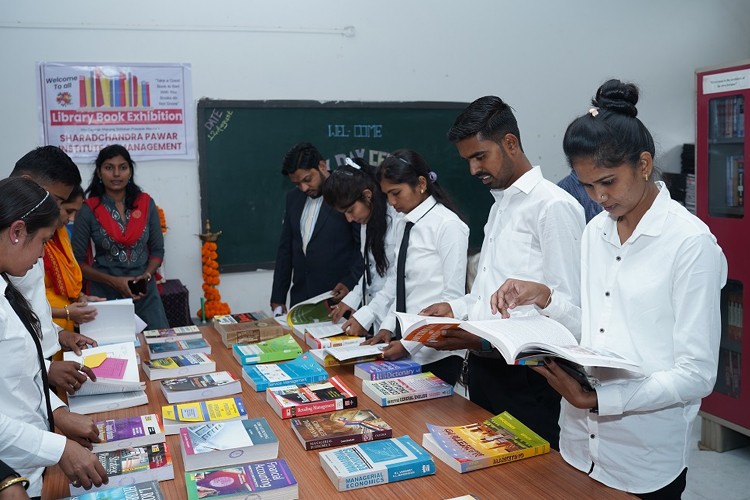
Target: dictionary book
[379, 370]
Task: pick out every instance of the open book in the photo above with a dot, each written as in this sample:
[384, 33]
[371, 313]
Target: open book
[115, 366]
[115, 322]
[520, 339]
[313, 310]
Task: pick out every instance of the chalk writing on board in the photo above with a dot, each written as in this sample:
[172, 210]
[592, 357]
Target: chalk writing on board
[217, 123]
[372, 156]
[360, 130]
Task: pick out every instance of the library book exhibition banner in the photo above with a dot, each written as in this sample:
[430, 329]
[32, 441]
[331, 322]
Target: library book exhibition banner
[145, 107]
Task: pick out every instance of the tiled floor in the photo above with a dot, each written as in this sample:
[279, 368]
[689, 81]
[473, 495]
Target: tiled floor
[713, 476]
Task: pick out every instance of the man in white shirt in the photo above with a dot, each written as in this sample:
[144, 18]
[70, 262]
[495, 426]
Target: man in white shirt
[533, 233]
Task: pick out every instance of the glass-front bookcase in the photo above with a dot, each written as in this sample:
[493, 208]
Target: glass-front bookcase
[721, 149]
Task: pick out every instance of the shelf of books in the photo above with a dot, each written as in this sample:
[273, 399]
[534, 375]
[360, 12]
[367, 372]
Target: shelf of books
[208, 431]
[721, 149]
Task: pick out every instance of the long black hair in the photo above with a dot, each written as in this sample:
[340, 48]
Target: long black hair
[344, 187]
[96, 187]
[610, 133]
[25, 200]
[405, 166]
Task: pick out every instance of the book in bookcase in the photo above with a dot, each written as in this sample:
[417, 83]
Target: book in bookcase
[379, 370]
[735, 196]
[177, 416]
[301, 370]
[340, 428]
[408, 389]
[207, 386]
[519, 339]
[149, 490]
[376, 462]
[263, 480]
[246, 328]
[222, 444]
[178, 348]
[309, 399]
[129, 432]
[115, 367]
[191, 332]
[281, 348]
[179, 366]
[98, 403]
[497, 440]
[133, 465]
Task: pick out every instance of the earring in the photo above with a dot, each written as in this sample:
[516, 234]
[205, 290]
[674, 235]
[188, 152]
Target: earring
[100, 181]
[602, 197]
[421, 191]
[645, 177]
[15, 241]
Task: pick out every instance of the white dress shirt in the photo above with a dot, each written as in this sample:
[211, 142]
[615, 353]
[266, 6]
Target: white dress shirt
[435, 268]
[375, 306]
[308, 219]
[655, 300]
[533, 233]
[25, 443]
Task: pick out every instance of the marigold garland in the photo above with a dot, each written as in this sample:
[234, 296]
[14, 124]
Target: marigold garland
[213, 306]
[162, 220]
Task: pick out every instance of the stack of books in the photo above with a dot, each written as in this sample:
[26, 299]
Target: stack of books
[178, 347]
[191, 332]
[246, 328]
[281, 348]
[301, 370]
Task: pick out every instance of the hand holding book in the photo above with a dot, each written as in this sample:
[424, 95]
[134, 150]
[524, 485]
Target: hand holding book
[515, 293]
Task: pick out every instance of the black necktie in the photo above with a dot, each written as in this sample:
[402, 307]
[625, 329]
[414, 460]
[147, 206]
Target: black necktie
[401, 277]
[18, 309]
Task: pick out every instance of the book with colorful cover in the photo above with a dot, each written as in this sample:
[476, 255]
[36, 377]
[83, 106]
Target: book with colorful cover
[326, 359]
[207, 386]
[418, 387]
[308, 399]
[201, 412]
[133, 465]
[269, 351]
[271, 479]
[222, 444]
[332, 341]
[312, 310]
[301, 370]
[340, 428]
[191, 332]
[128, 432]
[376, 462]
[179, 366]
[177, 348]
[497, 440]
[115, 367]
[379, 370]
[149, 490]
[520, 339]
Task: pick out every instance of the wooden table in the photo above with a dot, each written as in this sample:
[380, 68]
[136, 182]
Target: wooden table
[546, 476]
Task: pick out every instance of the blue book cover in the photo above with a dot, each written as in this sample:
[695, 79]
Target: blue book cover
[378, 370]
[180, 345]
[301, 370]
[376, 462]
[253, 480]
[141, 491]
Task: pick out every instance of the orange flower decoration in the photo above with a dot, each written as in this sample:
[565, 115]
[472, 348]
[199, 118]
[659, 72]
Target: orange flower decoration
[213, 306]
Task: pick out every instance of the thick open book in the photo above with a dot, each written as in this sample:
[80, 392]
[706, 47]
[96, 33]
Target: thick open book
[313, 310]
[521, 340]
[115, 366]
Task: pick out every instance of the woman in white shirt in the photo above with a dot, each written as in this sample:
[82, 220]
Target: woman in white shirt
[353, 190]
[29, 217]
[435, 262]
[651, 279]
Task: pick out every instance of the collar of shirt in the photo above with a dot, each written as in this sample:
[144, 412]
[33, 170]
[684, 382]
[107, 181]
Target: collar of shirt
[524, 184]
[420, 210]
[652, 223]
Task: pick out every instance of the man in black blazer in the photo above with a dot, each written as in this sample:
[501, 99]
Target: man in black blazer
[318, 249]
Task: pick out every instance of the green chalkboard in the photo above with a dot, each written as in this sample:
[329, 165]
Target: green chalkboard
[241, 145]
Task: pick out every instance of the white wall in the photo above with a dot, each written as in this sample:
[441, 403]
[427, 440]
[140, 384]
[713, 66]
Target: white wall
[545, 57]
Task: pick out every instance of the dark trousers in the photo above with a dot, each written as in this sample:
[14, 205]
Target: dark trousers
[446, 369]
[672, 491]
[497, 387]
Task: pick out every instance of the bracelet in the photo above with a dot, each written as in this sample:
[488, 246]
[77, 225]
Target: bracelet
[15, 480]
[149, 276]
[67, 311]
[549, 299]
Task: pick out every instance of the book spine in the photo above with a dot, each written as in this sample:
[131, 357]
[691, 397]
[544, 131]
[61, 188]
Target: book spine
[417, 468]
[408, 398]
[514, 456]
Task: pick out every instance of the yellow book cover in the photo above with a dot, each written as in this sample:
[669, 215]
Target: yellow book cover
[498, 440]
[205, 411]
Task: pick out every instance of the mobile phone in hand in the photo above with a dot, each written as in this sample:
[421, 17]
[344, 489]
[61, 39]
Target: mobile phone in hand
[137, 287]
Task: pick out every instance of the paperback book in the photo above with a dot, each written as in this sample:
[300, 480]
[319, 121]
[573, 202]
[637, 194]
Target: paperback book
[418, 387]
[223, 444]
[379, 370]
[106, 402]
[520, 339]
[312, 310]
[191, 332]
[309, 399]
[301, 370]
[498, 440]
[178, 366]
[376, 462]
[246, 328]
[268, 480]
[326, 359]
[133, 465]
[207, 386]
[114, 322]
[177, 348]
[115, 367]
[340, 428]
[201, 412]
[129, 432]
[333, 341]
[281, 348]
[149, 490]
